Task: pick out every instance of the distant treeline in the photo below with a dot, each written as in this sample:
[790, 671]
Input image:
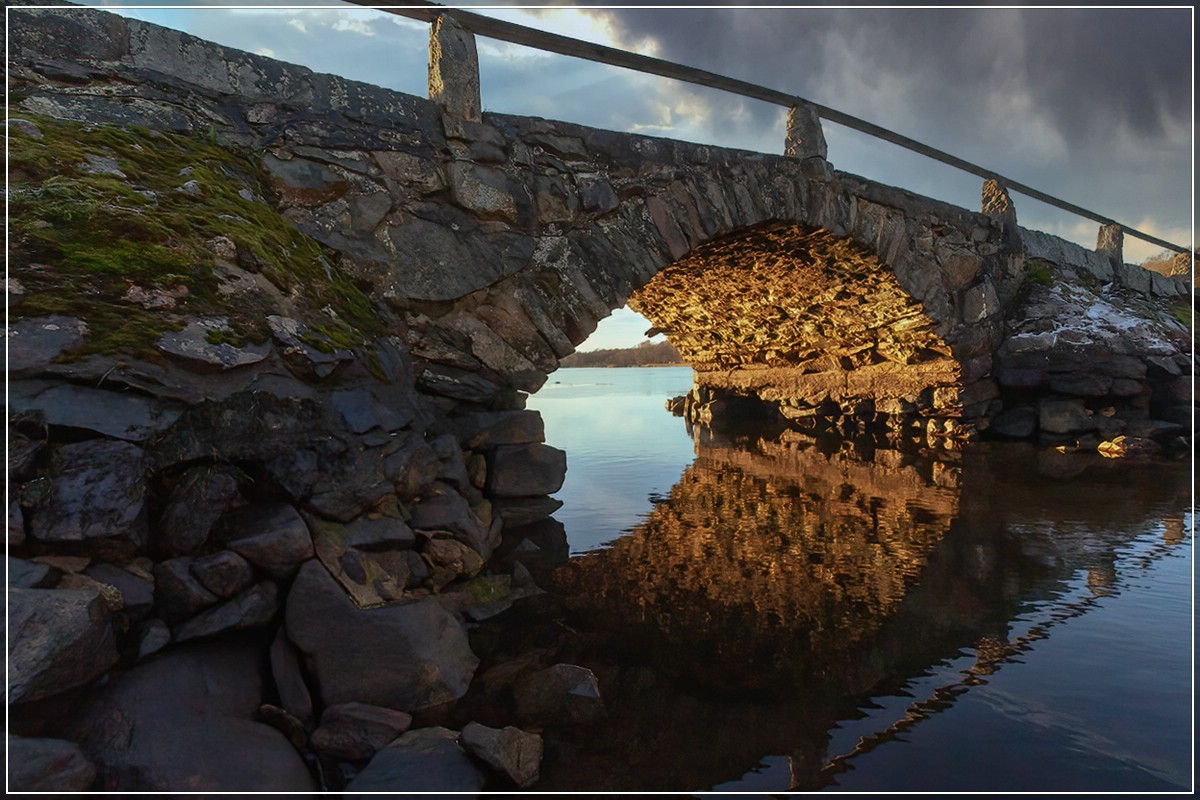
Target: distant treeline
[646, 354]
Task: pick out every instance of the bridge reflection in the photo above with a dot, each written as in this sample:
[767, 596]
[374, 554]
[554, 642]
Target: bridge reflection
[781, 584]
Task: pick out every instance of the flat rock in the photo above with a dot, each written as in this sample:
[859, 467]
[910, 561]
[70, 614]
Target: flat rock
[379, 532]
[35, 343]
[429, 661]
[185, 722]
[57, 639]
[450, 512]
[98, 493]
[47, 765]
[510, 750]
[423, 760]
[137, 592]
[253, 608]
[193, 345]
[120, 415]
[356, 731]
[271, 536]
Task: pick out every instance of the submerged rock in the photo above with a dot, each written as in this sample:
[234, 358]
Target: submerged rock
[564, 694]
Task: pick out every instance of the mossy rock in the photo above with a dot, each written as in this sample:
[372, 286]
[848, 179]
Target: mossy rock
[130, 230]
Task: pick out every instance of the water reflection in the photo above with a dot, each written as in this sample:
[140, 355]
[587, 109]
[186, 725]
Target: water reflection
[780, 585]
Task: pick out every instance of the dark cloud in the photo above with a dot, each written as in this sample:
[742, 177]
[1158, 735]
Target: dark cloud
[1092, 104]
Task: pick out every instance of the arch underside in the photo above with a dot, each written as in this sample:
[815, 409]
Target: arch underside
[808, 321]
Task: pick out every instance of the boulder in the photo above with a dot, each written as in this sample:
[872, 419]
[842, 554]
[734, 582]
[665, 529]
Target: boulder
[185, 722]
[223, 573]
[177, 593]
[510, 750]
[425, 650]
[450, 512]
[253, 608]
[24, 574]
[194, 506]
[564, 694]
[353, 484]
[271, 536]
[98, 492]
[424, 760]
[47, 765]
[57, 639]
[379, 532]
[526, 469]
[356, 731]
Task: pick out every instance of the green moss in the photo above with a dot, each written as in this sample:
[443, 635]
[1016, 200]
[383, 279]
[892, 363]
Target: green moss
[82, 239]
[1184, 314]
[1040, 271]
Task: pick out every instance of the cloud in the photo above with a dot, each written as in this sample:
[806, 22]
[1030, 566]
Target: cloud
[1092, 105]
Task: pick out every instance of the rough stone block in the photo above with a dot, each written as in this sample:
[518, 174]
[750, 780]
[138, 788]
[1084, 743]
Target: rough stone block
[525, 470]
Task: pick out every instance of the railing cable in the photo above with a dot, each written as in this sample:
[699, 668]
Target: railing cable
[564, 45]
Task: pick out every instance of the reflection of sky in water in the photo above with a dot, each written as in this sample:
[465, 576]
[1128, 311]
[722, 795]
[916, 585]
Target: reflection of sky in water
[641, 448]
[1109, 689]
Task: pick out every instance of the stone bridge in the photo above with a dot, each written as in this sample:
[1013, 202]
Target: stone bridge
[270, 334]
[497, 243]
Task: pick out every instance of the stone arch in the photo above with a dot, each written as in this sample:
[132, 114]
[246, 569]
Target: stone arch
[810, 322]
[628, 209]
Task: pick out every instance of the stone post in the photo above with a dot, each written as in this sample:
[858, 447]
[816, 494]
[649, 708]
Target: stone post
[806, 140]
[1181, 265]
[997, 203]
[1110, 242]
[454, 69]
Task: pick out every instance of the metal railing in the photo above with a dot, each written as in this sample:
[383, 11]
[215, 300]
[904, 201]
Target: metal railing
[567, 46]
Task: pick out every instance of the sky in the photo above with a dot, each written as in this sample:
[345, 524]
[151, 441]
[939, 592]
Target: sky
[1090, 104]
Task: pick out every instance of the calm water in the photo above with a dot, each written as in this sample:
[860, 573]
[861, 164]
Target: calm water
[768, 614]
